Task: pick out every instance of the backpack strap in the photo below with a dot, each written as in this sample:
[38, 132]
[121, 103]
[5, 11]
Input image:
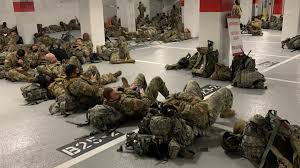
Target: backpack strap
[270, 143]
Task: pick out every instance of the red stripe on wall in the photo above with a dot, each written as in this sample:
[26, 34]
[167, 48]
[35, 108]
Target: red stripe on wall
[255, 1]
[215, 5]
[23, 6]
[277, 8]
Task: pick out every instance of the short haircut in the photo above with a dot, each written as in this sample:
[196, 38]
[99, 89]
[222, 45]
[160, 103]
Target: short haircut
[106, 93]
[21, 52]
[70, 69]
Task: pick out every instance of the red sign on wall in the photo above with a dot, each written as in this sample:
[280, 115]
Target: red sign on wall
[181, 2]
[278, 6]
[215, 5]
[23, 6]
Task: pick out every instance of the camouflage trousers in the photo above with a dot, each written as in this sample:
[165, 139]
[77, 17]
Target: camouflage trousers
[193, 88]
[103, 79]
[204, 113]
[115, 59]
[15, 76]
[156, 85]
[220, 102]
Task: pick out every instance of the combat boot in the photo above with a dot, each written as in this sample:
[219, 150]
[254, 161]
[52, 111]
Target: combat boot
[229, 113]
[125, 83]
[117, 74]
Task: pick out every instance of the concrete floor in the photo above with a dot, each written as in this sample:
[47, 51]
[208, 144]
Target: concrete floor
[29, 135]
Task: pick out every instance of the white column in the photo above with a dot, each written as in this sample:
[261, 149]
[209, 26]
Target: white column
[27, 26]
[191, 16]
[291, 19]
[246, 6]
[213, 28]
[92, 21]
[126, 12]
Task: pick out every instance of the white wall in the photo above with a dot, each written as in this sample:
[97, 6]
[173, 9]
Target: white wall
[109, 9]
[156, 6]
[7, 13]
[214, 30]
[191, 16]
[53, 11]
[168, 4]
[246, 6]
[291, 19]
[47, 12]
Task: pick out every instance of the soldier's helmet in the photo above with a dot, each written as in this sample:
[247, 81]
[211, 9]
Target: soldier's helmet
[258, 119]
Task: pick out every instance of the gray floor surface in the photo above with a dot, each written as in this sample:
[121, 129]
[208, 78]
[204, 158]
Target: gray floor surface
[29, 135]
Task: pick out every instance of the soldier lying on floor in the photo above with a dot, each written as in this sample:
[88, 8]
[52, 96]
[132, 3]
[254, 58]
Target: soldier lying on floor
[82, 91]
[167, 132]
[292, 43]
[268, 142]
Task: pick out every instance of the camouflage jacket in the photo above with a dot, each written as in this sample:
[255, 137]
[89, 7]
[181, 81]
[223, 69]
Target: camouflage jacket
[35, 59]
[51, 70]
[130, 106]
[79, 87]
[83, 52]
[89, 45]
[11, 62]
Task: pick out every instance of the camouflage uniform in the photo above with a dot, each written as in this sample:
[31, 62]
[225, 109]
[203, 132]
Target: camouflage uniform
[13, 39]
[55, 74]
[123, 55]
[292, 43]
[102, 79]
[46, 40]
[236, 10]
[80, 93]
[89, 45]
[105, 52]
[73, 25]
[142, 10]
[201, 113]
[82, 53]
[55, 28]
[11, 63]
[132, 106]
[4, 30]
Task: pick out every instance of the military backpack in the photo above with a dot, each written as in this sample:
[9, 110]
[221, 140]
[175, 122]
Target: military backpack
[34, 94]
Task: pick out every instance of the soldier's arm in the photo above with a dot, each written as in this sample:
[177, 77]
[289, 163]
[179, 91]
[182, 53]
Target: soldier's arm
[82, 88]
